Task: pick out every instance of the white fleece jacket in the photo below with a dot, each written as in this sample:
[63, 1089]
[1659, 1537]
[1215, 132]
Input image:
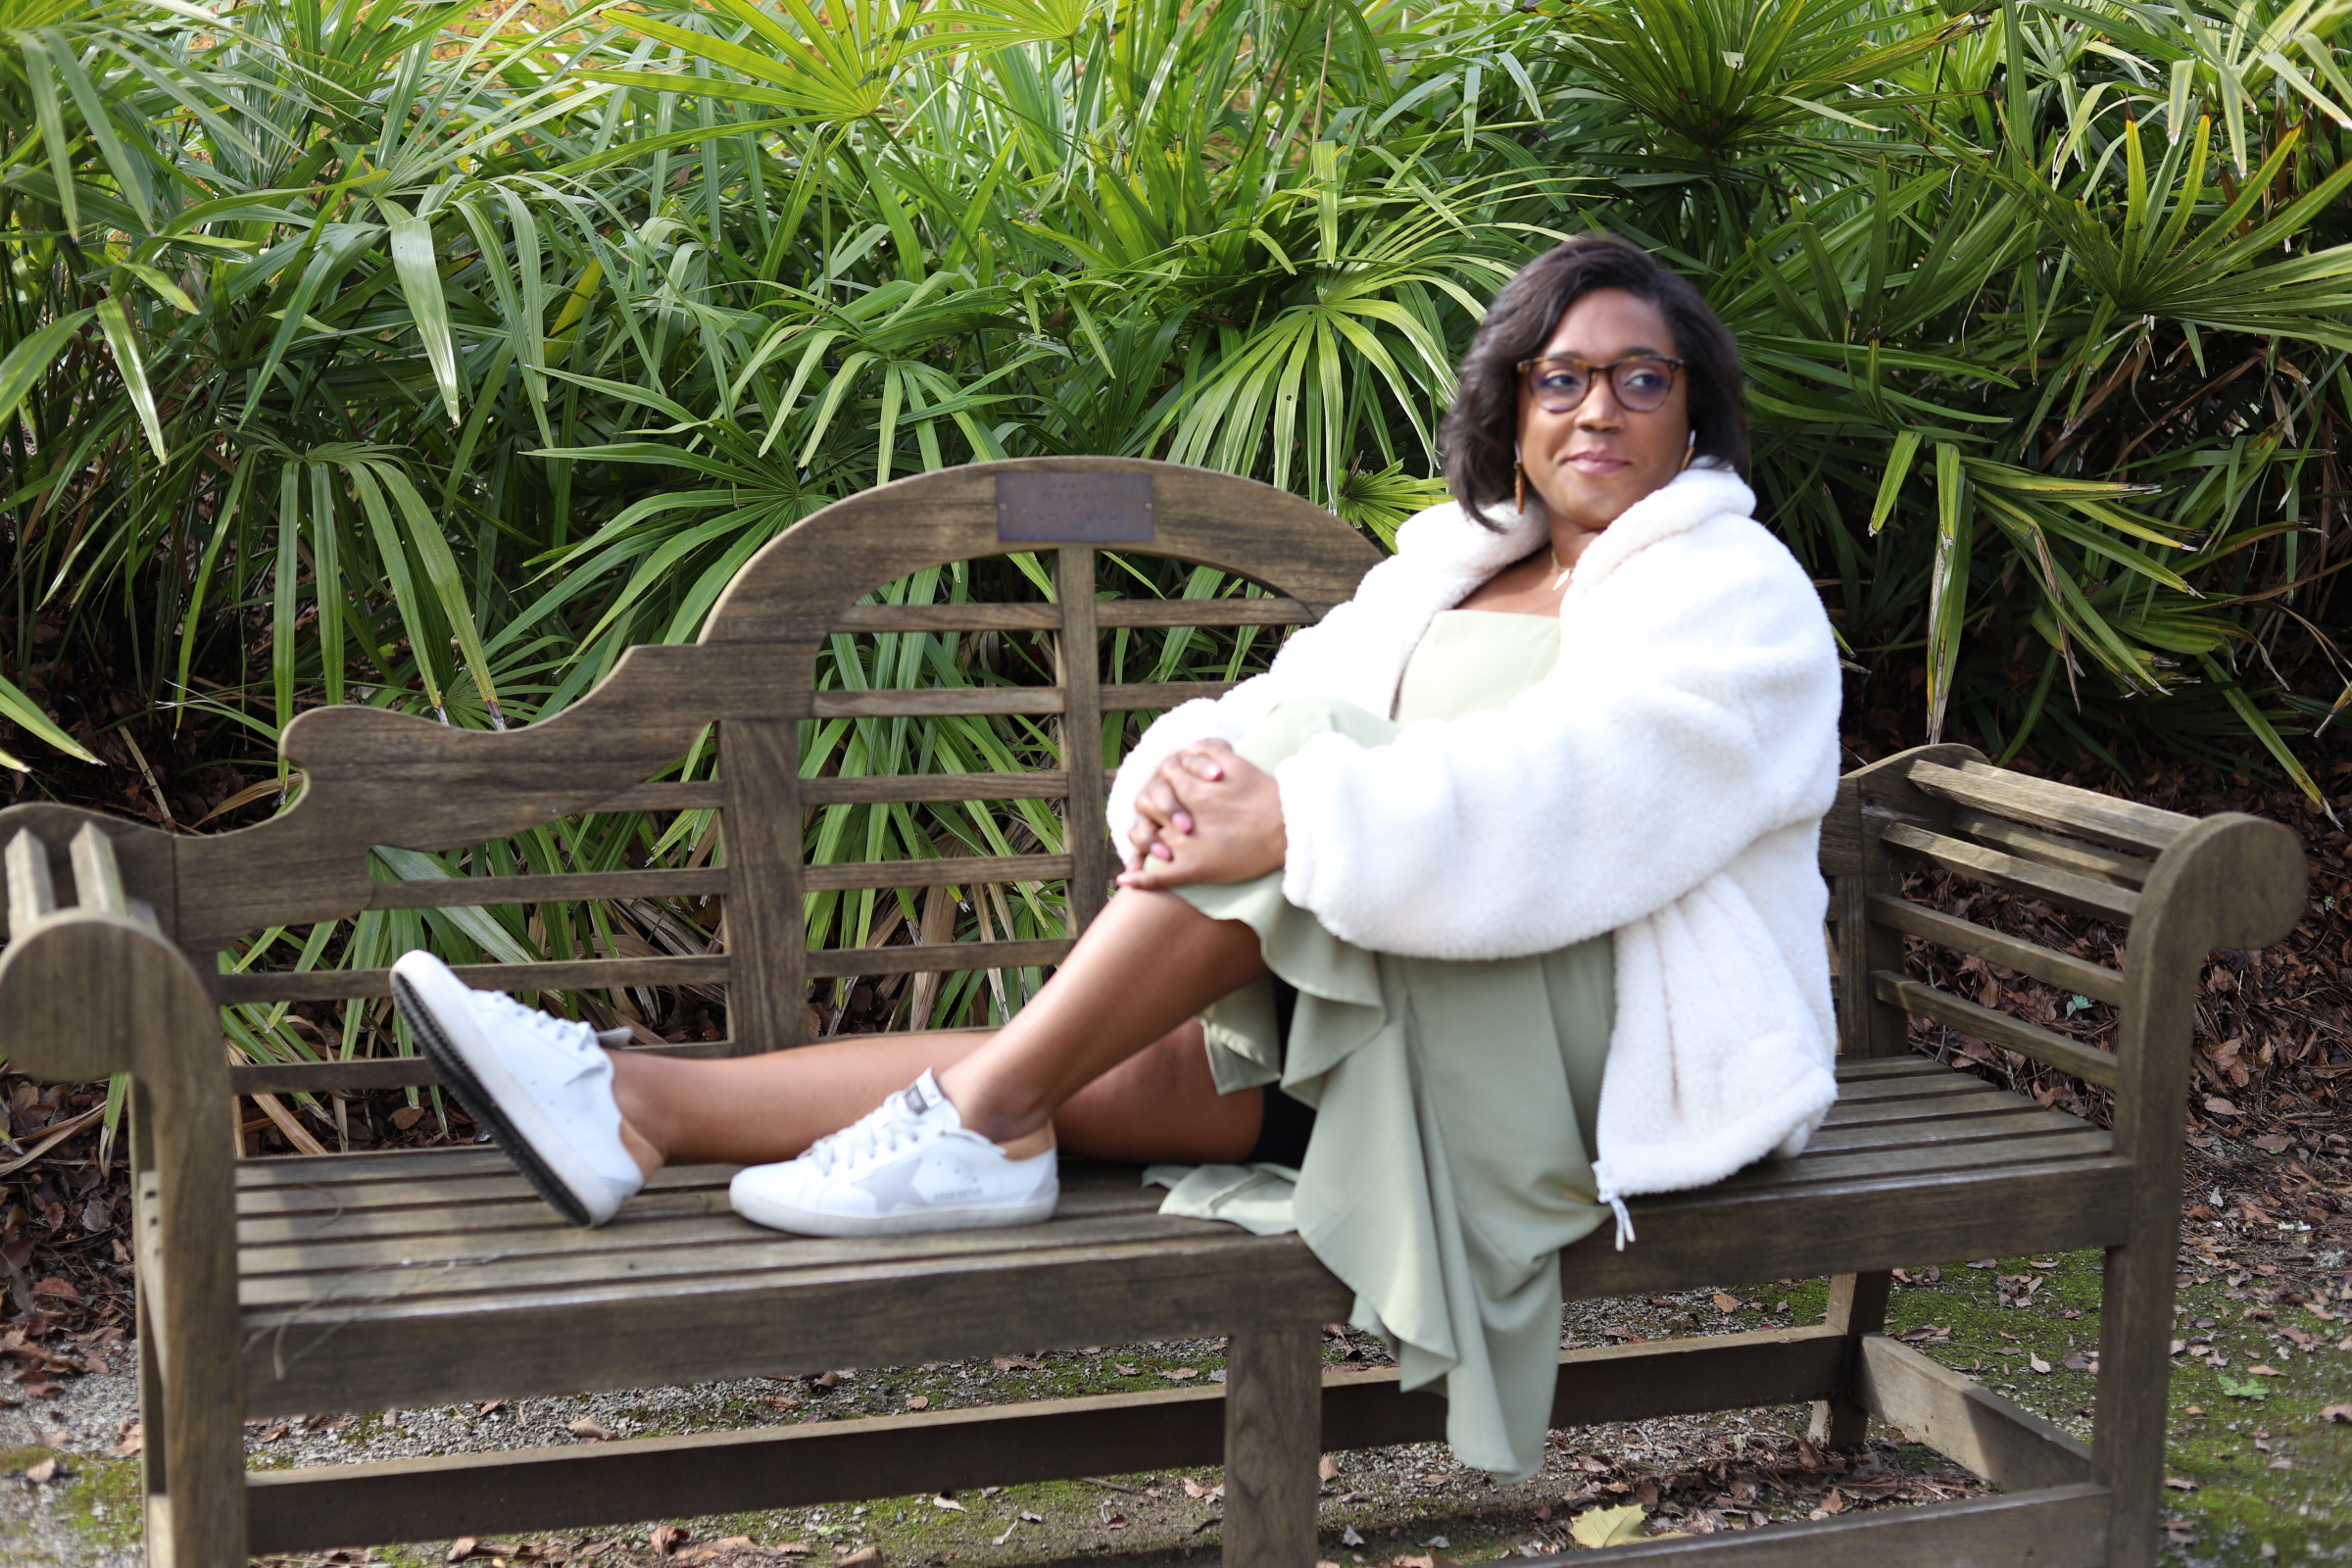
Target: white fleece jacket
[1666, 782]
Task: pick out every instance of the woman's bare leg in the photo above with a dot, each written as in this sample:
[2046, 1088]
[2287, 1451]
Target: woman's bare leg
[1106, 1056]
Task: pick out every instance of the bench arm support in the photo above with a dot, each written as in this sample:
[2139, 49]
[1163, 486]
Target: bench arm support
[2231, 881]
[90, 990]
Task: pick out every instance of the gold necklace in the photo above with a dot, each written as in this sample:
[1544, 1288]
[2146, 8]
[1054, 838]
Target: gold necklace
[1562, 573]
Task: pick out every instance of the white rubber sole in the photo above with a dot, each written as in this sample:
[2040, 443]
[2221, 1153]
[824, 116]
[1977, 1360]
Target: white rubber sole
[782, 1216]
[433, 1000]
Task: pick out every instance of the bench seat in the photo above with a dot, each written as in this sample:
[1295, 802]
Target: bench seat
[439, 1276]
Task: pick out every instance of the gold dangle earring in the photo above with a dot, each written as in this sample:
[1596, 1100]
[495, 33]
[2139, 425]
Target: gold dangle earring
[1690, 452]
[1518, 485]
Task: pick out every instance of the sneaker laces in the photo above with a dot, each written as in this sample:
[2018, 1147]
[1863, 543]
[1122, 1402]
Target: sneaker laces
[884, 1130]
[577, 1040]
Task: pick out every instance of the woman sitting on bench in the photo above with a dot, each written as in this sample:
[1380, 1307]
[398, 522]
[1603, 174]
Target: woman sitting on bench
[1492, 903]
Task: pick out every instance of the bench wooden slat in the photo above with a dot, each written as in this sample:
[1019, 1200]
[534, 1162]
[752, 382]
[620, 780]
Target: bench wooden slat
[1113, 612]
[647, 1219]
[2125, 823]
[2093, 980]
[2093, 895]
[749, 1248]
[480, 892]
[847, 876]
[2027, 1117]
[578, 974]
[882, 1456]
[2072, 855]
[1044, 784]
[636, 1334]
[937, 958]
[942, 702]
[665, 795]
[2086, 1062]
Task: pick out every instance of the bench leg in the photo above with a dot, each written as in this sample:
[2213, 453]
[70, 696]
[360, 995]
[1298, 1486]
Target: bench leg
[1273, 1440]
[191, 1388]
[2135, 1393]
[1858, 1307]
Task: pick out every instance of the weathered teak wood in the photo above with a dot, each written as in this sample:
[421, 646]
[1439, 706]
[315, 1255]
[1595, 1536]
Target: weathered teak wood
[90, 990]
[361, 1281]
[843, 1461]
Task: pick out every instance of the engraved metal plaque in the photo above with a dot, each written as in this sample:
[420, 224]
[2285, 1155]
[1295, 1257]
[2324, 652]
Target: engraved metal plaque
[1079, 508]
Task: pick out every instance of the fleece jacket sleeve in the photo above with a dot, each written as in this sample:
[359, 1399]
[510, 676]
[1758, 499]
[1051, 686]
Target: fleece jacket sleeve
[1694, 708]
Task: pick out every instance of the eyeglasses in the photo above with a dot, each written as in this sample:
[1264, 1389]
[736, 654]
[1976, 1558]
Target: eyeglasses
[1560, 383]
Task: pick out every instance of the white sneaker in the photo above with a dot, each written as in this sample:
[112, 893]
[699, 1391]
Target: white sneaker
[539, 1083]
[908, 1166]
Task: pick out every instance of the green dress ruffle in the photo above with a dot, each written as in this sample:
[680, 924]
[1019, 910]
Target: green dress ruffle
[1454, 1101]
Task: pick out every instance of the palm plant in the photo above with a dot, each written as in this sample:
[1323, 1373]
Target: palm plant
[424, 356]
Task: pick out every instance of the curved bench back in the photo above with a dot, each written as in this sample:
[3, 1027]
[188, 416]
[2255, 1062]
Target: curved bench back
[373, 777]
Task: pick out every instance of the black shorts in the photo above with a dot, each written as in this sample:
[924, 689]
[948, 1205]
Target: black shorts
[1282, 1136]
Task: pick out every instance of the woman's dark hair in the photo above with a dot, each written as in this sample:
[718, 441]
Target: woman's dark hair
[1481, 433]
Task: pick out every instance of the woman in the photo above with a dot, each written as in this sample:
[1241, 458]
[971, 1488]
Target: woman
[1501, 882]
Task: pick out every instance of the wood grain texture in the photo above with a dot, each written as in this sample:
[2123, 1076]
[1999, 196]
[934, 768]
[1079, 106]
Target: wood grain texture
[90, 989]
[1078, 654]
[2060, 1528]
[956, 872]
[1273, 1438]
[846, 1461]
[941, 958]
[810, 574]
[145, 857]
[1045, 784]
[2072, 855]
[2226, 881]
[1929, 1402]
[482, 892]
[1857, 1308]
[2093, 980]
[1994, 1027]
[572, 974]
[2090, 893]
[2087, 814]
[622, 1334]
[1855, 861]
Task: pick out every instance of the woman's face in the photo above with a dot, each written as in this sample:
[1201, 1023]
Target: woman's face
[1598, 459]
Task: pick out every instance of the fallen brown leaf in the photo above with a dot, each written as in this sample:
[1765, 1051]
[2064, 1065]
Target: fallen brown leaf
[1726, 1304]
[940, 1499]
[918, 1401]
[2037, 1362]
[1015, 1363]
[459, 1549]
[2181, 1482]
[662, 1537]
[589, 1429]
[41, 1475]
[2337, 1412]
[1326, 1467]
[1183, 1374]
[1124, 1370]
[860, 1558]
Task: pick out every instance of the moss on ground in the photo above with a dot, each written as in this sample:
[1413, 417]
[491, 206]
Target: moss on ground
[2250, 1461]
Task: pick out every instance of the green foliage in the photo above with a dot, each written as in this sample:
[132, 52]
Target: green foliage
[429, 356]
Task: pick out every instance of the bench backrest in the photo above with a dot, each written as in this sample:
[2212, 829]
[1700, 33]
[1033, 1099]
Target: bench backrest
[373, 777]
[773, 658]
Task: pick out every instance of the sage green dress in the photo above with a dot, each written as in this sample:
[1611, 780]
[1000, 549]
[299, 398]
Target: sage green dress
[1451, 1160]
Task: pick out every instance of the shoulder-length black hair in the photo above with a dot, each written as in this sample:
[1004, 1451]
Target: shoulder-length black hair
[1480, 432]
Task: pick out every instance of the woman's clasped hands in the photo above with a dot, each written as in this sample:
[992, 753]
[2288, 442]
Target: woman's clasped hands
[1209, 814]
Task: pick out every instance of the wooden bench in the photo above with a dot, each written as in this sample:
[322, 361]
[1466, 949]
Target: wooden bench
[358, 1281]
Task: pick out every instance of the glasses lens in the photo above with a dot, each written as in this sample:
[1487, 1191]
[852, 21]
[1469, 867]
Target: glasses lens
[1642, 384]
[1558, 384]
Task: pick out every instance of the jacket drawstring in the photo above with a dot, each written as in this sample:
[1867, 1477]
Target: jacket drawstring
[1625, 1221]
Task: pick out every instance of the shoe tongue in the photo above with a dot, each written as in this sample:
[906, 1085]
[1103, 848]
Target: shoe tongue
[923, 1095]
